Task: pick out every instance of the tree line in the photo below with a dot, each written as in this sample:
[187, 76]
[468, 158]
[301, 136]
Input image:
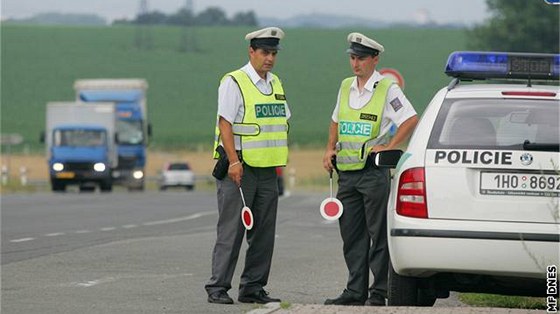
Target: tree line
[212, 16]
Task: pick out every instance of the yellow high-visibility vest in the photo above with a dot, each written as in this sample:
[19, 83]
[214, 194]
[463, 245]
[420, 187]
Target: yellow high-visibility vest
[263, 133]
[358, 129]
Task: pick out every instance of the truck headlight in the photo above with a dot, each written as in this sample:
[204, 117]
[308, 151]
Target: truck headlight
[138, 174]
[99, 167]
[57, 166]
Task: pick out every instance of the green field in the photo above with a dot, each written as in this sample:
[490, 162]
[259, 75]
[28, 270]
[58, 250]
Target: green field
[40, 64]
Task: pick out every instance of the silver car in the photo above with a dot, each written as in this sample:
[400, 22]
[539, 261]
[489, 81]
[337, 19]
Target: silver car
[176, 174]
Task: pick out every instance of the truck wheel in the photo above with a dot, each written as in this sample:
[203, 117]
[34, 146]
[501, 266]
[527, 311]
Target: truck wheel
[403, 291]
[106, 186]
[57, 186]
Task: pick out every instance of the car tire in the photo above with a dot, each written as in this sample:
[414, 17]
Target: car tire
[403, 291]
[426, 298]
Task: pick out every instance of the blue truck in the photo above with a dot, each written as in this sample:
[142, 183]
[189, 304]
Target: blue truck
[80, 146]
[132, 128]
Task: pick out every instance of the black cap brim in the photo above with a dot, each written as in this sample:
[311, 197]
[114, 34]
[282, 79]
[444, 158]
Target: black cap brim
[266, 43]
[361, 50]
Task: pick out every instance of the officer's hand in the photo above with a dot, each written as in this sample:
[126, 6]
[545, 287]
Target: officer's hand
[235, 172]
[327, 160]
[379, 148]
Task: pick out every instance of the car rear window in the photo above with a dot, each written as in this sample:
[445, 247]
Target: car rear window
[178, 167]
[495, 124]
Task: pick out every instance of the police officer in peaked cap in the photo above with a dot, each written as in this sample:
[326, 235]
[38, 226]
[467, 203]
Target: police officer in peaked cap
[367, 105]
[252, 135]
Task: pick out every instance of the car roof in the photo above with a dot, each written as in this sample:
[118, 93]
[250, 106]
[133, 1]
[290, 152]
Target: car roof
[468, 90]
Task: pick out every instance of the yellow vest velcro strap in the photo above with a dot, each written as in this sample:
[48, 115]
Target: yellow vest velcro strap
[255, 129]
[245, 129]
[265, 144]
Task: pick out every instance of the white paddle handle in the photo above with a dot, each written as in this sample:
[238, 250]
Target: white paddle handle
[330, 181]
[242, 197]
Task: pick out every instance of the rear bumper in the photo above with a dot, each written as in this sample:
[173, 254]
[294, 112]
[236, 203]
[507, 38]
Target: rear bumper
[425, 247]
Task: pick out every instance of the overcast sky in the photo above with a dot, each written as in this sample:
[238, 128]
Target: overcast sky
[440, 11]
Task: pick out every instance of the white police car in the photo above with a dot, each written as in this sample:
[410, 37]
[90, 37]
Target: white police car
[474, 201]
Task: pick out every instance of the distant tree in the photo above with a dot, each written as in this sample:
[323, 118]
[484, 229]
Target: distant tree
[151, 18]
[244, 18]
[182, 17]
[54, 18]
[212, 16]
[518, 25]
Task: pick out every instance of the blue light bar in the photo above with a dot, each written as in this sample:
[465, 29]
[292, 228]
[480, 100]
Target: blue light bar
[484, 65]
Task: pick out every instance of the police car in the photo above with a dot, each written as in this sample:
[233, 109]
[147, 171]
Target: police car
[474, 201]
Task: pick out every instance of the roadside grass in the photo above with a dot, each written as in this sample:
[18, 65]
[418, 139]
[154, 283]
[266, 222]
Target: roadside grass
[502, 301]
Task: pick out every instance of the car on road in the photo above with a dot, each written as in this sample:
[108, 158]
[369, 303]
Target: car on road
[176, 174]
[474, 200]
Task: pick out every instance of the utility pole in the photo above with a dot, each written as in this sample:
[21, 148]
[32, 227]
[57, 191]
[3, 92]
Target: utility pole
[187, 42]
[143, 36]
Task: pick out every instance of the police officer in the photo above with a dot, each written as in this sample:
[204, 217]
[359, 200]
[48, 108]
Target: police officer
[368, 104]
[253, 130]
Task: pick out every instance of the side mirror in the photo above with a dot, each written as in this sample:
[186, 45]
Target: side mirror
[387, 158]
[149, 130]
[42, 137]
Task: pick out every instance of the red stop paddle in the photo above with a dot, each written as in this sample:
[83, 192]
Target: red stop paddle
[246, 214]
[331, 208]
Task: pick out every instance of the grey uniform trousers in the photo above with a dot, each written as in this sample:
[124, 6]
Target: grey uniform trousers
[260, 189]
[363, 227]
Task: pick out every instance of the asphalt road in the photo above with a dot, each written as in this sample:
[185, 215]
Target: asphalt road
[150, 253]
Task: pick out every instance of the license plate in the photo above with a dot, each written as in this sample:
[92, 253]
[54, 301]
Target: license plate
[519, 184]
[65, 175]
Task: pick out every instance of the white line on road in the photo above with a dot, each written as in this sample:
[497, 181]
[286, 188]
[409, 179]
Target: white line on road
[167, 221]
[54, 234]
[22, 240]
[150, 223]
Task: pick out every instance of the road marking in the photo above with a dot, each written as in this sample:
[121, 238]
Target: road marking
[95, 282]
[150, 223]
[22, 240]
[54, 234]
[168, 221]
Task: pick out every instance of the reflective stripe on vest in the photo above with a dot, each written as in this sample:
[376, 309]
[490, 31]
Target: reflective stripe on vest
[358, 130]
[263, 133]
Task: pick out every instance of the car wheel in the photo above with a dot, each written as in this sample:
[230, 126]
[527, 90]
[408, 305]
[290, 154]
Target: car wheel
[403, 291]
[426, 298]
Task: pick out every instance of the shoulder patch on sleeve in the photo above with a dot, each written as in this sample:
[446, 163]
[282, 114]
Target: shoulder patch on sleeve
[396, 104]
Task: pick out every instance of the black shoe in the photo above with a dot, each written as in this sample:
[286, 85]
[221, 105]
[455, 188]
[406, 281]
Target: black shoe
[259, 296]
[220, 297]
[375, 300]
[344, 299]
